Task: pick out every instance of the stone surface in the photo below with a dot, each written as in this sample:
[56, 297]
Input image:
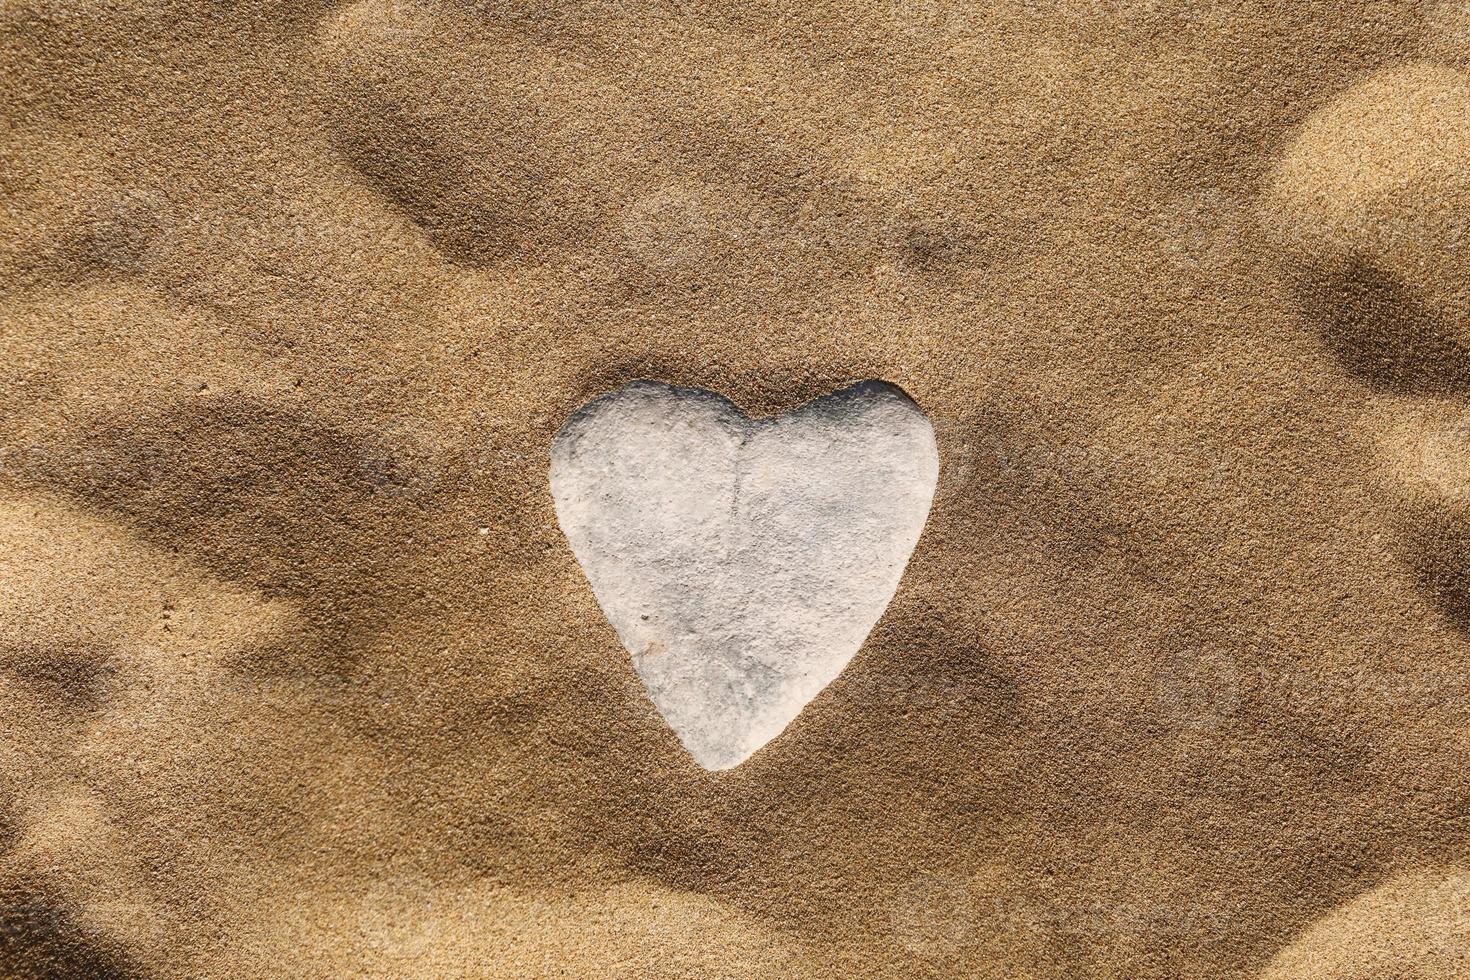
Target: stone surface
[742, 561]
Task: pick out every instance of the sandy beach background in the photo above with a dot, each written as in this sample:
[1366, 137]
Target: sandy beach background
[299, 677]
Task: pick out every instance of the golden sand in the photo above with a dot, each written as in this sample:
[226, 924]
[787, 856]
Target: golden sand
[300, 678]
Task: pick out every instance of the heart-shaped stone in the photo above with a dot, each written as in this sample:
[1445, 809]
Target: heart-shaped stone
[742, 561]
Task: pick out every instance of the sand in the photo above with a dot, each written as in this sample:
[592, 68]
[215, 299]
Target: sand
[300, 677]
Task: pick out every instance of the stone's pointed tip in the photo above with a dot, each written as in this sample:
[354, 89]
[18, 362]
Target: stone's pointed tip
[719, 758]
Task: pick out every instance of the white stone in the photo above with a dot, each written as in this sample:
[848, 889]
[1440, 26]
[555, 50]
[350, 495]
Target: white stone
[742, 561]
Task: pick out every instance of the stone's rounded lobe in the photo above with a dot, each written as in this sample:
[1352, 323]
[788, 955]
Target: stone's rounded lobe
[742, 561]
